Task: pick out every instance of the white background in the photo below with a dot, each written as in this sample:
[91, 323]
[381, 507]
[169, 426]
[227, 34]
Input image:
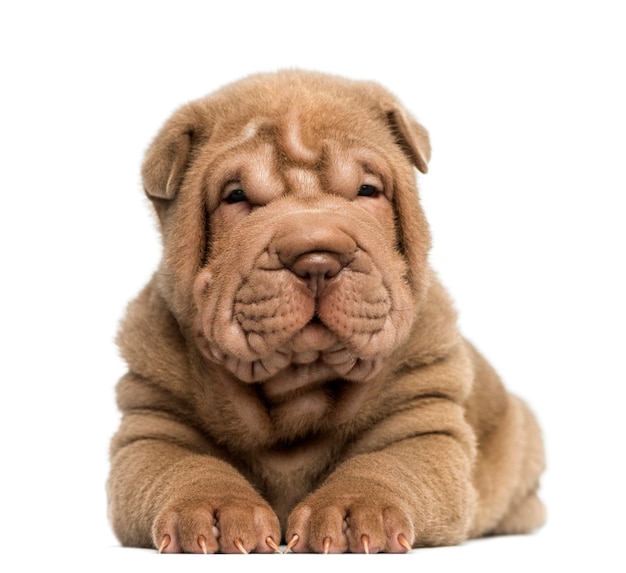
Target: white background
[525, 105]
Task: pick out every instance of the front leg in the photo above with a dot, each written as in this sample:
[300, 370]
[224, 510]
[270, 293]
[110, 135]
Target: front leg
[416, 492]
[182, 502]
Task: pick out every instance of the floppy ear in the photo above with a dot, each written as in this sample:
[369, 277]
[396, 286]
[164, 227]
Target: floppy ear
[414, 239]
[411, 136]
[168, 156]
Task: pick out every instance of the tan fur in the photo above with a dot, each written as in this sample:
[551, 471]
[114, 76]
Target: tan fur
[295, 369]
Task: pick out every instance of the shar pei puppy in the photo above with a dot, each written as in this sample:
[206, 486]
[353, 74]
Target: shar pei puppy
[295, 372]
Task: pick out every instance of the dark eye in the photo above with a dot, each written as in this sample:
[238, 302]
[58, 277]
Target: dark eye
[368, 191]
[235, 196]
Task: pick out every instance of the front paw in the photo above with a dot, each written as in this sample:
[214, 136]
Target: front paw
[330, 522]
[229, 525]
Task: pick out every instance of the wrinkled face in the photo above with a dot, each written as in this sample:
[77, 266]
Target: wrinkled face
[303, 280]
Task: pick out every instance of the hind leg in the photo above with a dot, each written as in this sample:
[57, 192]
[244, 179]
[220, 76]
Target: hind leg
[509, 465]
[524, 517]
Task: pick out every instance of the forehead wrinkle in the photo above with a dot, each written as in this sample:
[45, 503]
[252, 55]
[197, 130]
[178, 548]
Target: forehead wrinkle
[347, 164]
[302, 182]
[254, 166]
[343, 172]
[253, 128]
[293, 144]
[260, 174]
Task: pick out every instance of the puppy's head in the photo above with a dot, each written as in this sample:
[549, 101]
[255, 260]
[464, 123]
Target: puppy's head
[294, 245]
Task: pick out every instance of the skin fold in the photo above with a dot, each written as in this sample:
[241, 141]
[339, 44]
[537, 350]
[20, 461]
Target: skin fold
[295, 371]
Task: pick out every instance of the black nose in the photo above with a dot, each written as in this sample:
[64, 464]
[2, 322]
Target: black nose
[316, 267]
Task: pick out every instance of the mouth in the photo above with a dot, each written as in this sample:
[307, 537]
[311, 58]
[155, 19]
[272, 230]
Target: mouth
[315, 319]
[315, 336]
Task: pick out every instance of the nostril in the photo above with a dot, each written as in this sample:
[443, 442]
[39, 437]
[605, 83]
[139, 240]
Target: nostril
[318, 265]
